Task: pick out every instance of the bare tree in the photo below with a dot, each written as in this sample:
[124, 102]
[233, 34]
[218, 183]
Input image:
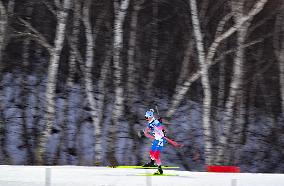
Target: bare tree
[4, 155]
[95, 102]
[131, 66]
[279, 51]
[120, 9]
[154, 48]
[27, 135]
[89, 79]
[237, 77]
[74, 41]
[180, 91]
[3, 27]
[5, 14]
[205, 84]
[52, 78]
[184, 70]
[73, 61]
[101, 86]
[132, 79]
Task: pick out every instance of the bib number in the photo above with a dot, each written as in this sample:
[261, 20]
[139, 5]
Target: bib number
[161, 143]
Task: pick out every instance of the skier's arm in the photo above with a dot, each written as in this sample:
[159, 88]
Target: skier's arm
[146, 133]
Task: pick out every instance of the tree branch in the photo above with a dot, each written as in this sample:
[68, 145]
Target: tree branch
[213, 48]
[39, 37]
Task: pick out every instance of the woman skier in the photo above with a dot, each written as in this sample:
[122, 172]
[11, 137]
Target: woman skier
[156, 130]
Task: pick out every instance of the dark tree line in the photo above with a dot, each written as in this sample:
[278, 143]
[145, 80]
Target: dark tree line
[76, 68]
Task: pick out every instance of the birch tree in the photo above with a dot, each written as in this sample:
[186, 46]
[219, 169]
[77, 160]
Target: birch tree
[154, 48]
[72, 66]
[279, 51]
[89, 84]
[95, 102]
[120, 10]
[101, 85]
[184, 71]
[5, 13]
[74, 41]
[3, 27]
[27, 135]
[3, 22]
[4, 155]
[205, 83]
[132, 79]
[52, 79]
[131, 66]
[181, 91]
[236, 82]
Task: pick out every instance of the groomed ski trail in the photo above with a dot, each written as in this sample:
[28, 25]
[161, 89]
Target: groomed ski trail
[104, 176]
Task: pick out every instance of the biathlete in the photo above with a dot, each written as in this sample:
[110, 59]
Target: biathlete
[156, 130]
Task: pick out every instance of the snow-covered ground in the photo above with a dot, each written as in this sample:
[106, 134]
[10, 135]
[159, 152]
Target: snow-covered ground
[103, 176]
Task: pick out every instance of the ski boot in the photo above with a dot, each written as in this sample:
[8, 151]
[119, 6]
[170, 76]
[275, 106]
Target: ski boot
[149, 164]
[159, 171]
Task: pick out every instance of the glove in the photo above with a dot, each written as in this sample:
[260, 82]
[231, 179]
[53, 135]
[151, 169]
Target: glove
[141, 134]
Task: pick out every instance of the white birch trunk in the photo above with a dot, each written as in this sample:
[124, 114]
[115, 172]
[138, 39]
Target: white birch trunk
[89, 84]
[154, 50]
[3, 27]
[24, 94]
[235, 86]
[205, 84]
[100, 97]
[279, 52]
[105, 71]
[220, 103]
[3, 23]
[74, 40]
[120, 9]
[181, 91]
[281, 69]
[4, 39]
[182, 82]
[131, 68]
[5, 12]
[185, 62]
[4, 155]
[86, 66]
[132, 88]
[117, 46]
[51, 81]
[27, 137]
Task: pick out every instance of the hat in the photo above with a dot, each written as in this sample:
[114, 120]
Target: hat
[149, 113]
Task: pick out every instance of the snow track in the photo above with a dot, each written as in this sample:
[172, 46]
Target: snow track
[102, 176]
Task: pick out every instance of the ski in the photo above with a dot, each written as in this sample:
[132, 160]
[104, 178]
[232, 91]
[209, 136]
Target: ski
[149, 174]
[141, 167]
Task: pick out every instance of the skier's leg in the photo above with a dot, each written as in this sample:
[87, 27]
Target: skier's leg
[157, 158]
[158, 162]
[154, 148]
[152, 157]
[156, 155]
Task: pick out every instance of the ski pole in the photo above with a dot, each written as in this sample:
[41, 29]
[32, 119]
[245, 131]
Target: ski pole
[175, 144]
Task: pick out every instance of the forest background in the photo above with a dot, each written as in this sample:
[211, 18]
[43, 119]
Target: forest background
[77, 76]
